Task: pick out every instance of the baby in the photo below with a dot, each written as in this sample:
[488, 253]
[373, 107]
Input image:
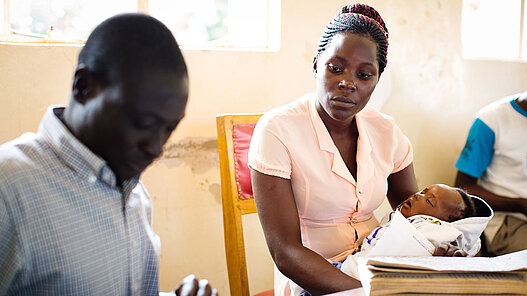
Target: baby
[432, 211]
[441, 213]
[440, 201]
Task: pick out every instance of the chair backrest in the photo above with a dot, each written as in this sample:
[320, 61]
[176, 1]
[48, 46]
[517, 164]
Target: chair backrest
[234, 136]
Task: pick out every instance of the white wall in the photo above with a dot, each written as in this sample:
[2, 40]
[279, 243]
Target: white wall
[434, 97]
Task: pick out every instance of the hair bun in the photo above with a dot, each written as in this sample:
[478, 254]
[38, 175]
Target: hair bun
[366, 10]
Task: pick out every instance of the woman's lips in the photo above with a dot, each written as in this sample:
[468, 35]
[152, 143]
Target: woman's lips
[343, 100]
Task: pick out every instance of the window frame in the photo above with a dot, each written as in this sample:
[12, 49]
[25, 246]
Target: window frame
[521, 46]
[273, 18]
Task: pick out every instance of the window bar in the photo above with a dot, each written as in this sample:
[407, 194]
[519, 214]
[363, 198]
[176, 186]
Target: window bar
[268, 19]
[142, 6]
[6, 25]
[522, 23]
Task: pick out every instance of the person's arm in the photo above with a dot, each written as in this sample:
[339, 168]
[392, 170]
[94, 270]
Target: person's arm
[496, 202]
[279, 218]
[401, 185]
[474, 161]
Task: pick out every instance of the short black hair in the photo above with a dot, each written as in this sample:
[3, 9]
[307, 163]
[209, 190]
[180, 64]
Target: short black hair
[129, 44]
[470, 207]
[360, 19]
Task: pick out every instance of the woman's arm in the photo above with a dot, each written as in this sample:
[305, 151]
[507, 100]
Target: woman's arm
[496, 202]
[401, 185]
[279, 218]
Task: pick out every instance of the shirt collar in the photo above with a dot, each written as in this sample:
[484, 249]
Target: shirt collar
[517, 107]
[74, 153]
[325, 143]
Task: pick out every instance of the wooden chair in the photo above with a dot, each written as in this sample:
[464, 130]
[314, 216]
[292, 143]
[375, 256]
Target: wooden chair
[234, 135]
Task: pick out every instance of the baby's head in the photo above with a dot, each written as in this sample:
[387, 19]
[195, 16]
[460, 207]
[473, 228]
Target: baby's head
[440, 201]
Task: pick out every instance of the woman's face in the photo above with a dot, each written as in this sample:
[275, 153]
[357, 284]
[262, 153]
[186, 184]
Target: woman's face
[347, 73]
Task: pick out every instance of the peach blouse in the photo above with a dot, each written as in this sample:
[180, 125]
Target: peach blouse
[335, 210]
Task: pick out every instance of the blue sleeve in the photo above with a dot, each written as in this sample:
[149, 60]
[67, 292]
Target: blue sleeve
[478, 150]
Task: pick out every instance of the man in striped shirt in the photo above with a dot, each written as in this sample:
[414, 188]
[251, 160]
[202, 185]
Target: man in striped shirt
[74, 217]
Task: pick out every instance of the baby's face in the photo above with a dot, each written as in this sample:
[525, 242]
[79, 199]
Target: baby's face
[440, 201]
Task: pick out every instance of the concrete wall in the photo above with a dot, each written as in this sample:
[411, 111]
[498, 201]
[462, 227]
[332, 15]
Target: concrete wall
[435, 94]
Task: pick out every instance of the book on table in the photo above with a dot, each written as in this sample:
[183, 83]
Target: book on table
[506, 274]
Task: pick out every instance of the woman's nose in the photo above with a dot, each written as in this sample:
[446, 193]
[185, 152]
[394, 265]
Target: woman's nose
[347, 84]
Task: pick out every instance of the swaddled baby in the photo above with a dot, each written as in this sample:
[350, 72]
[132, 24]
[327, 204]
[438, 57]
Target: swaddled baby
[441, 213]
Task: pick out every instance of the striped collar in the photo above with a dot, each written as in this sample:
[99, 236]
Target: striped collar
[75, 154]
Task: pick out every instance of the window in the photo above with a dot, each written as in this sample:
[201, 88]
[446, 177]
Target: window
[61, 19]
[205, 23]
[494, 29]
[2, 20]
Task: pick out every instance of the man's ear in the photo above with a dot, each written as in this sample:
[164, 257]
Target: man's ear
[85, 86]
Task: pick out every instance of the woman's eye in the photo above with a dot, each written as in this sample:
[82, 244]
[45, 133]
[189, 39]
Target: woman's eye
[334, 69]
[364, 76]
[428, 201]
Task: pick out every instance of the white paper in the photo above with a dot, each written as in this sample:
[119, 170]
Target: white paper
[508, 262]
[402, 239]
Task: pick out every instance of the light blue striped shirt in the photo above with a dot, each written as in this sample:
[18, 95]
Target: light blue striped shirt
[65, 227]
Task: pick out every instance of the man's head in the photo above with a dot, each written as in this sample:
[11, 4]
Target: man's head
[129, 92]
[440, 201]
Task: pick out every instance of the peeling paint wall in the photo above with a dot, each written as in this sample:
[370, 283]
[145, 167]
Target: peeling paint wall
[200, 154]
[435, 94]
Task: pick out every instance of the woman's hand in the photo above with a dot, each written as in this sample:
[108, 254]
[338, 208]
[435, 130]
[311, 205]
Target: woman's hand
[448, 250]
[190, 286]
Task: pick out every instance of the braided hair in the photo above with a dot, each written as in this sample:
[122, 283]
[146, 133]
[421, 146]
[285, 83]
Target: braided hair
[358, 19]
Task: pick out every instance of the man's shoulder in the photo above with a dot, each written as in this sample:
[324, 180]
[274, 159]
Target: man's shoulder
[19, 156]
[497, 108]
[498, 113]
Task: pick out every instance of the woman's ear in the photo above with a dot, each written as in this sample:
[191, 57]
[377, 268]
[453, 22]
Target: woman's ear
[84, 84]
[315, 61]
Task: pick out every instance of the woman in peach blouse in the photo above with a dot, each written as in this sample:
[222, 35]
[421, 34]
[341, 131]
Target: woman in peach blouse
[322, 164]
